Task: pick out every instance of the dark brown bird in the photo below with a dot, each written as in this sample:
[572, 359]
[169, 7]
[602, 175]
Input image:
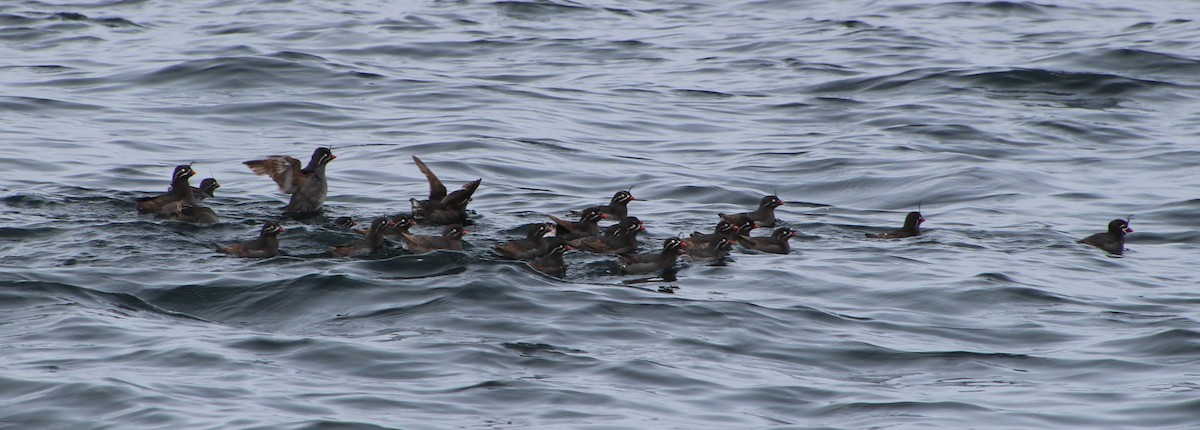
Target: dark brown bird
[724, 229]
[400, 225]
[623, 240]
[180, 192]
[1112, 240]
[777, 243]
[588, 225]
[208, 188]
[441, 208]
[308, 186]
[764, 215]
[912, 227]
[532, 246]
[265, 246]
[552, 262]
[451, 239]
[366, 246]
[617, 208]
[344, 222]
[715, 250]
[653, 262]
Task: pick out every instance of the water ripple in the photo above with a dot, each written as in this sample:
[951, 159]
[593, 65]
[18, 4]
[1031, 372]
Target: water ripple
[1016, 128]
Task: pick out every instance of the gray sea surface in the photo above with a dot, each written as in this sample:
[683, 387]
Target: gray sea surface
[1017, 128]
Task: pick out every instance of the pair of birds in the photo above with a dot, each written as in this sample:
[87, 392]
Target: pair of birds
[1112, 240]
[381, 228]
[308, 187]
[181, 201]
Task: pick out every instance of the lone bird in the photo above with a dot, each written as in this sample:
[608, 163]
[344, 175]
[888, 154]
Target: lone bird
[552, 262]
[764, 215]
[265, 246]
[912, 227]
[588, 225]
[532, 246]
[617, 208]
[441, 208]
[451, 239]
[1112, 240]
[652, 262]
[308, 186]
[400, 225]
[777, 243]
[208, 188]
[716, 250]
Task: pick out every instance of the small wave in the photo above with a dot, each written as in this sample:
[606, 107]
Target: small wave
[1076, 89]
[31, 292]
[537, 9]
[41, 105]
[1129, 61]
[961, 9]
[1168, 345]
[911, 409]
[32, 18]
[1057, 82]
[245, 72]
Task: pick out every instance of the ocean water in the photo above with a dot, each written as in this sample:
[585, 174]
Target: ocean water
[1016, 127]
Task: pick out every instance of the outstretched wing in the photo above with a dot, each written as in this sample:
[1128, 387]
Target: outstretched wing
[459, 198]
[437, 191]
[284, 170]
